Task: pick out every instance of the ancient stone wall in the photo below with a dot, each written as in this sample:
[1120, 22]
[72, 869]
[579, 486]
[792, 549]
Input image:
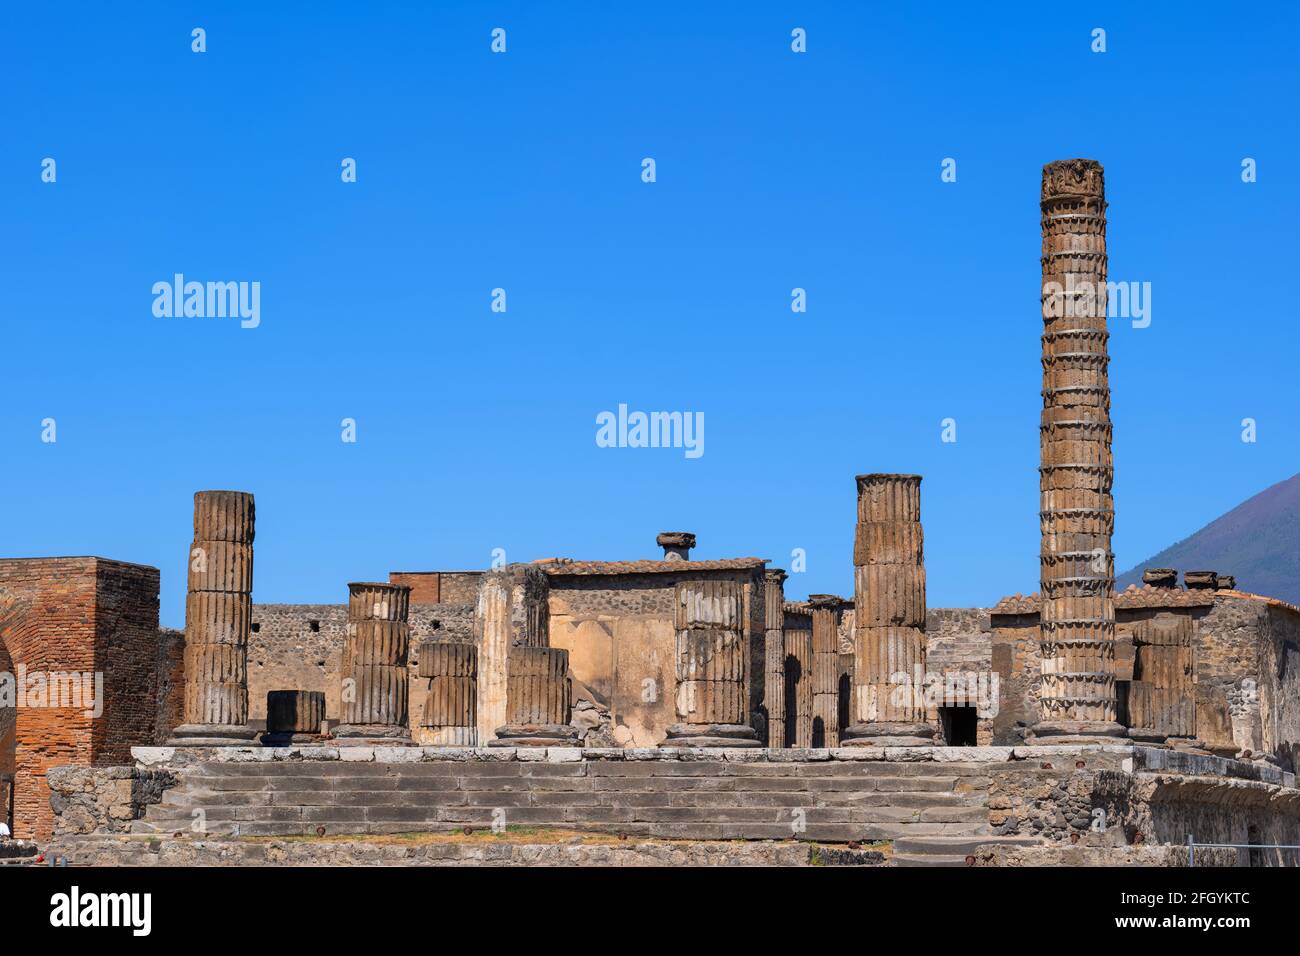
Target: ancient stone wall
[103, 799]
[300, 647]
[1280, 696]
[1015, 659]
[619, 631]
[959, 651]
[169, 664]
[126, 651]
[76, 616]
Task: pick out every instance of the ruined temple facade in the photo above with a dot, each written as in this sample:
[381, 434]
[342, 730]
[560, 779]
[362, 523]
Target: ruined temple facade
[670, 652]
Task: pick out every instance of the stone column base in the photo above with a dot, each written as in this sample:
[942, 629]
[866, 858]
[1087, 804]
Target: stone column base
[212, 735]
[1051, 733]
[888, 734]
[711, 735]
[1154, 738]
[536, 735]
[287, 739]
[385, 735]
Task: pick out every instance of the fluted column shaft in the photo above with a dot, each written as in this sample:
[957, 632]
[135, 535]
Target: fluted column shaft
[1162, 695]
[774, 655]
[826, 610]
[218, 617]
[1077, 517]
[712, 694]
[888, 700]
[799, 679]
[450, 717]
[375, 677]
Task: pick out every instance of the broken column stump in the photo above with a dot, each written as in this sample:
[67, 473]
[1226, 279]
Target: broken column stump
[1160, 577]
[1162, 695]
[218, 617]
[293, 717]
[450, 707]
[539, 698]
[712, 696]
[374, 673]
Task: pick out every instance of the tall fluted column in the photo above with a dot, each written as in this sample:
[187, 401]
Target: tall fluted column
[712, 679]
[1077, 515]
[375, 676]
[826, 610]
[798, 677]
[774, 656]
[888, 702]
[218, 614]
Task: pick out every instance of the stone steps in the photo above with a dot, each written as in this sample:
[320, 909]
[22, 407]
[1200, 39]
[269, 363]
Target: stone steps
[948, 850]
[863, 801]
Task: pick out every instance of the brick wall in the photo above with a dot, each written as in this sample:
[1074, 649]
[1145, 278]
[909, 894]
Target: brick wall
[126, 650]
[439, 587]
[76, 616]
[169, 663]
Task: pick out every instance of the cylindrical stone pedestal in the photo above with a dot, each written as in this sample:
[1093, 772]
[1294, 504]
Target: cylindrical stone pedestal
[1162, 696]
[1077, 695]
[712, 667]
[450, 708]
[774, 655]
[889, 669]
[218, 615]
[826, 610]
[798, 679]
[538, 699]
[293, 717]
[375, 677]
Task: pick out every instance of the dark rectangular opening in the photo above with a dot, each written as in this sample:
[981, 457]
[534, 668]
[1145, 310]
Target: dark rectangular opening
[960, 726]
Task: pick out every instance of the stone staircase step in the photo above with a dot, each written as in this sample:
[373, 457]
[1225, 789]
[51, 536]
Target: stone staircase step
[927, 859]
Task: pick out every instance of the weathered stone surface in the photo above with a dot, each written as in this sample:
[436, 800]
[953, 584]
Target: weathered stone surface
[295, 711]
[1077, 514]
[217, 617]
[1160, 577]
[889, 615]
[538, 690]
[375, 675]
[712, 661]
[826, 610]
[774, 702]
[145, 851]
[450, 717]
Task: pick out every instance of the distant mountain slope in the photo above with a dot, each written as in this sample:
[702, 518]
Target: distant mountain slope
[1258, 542]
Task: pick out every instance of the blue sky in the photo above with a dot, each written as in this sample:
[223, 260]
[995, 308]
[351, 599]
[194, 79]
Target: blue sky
[775, 170]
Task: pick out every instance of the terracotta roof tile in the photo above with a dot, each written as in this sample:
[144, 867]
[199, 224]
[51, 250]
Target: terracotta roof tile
[1132, 598]
[1248, 596]
[563, 567]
